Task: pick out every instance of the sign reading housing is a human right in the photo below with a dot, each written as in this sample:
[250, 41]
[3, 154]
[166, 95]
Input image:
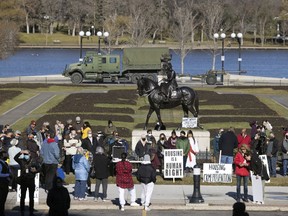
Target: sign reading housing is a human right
[214, 172]
[173, 163]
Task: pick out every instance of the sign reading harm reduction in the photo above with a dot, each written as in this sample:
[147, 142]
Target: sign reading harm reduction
[214, 172]
[173, 163]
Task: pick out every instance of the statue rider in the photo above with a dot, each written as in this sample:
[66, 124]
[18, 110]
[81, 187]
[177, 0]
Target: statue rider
[170, 85]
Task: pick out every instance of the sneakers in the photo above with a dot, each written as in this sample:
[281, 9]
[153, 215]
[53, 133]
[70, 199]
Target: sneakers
[134, 204]
[105, 199]
[76, 198]
[95, 199]
[146, 208]
[122, 208]
[82, 199]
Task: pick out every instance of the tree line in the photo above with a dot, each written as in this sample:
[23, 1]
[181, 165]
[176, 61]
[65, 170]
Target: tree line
[185, 22]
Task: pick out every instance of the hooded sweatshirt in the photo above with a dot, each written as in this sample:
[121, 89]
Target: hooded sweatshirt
[50, 152]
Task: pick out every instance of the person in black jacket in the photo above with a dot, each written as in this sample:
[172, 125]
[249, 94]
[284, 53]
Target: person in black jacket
[4, 180]
[257, 170]
[58, 199]
[101, 164]
[227, 143]
[29, 167]
[146, 175]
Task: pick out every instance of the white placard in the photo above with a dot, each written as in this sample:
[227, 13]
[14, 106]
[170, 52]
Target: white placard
[265, 162]
[189, 122]
[173, 163]
[36, 193]
[215, 172]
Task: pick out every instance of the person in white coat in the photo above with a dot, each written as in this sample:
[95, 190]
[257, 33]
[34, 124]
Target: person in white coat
[194, 150]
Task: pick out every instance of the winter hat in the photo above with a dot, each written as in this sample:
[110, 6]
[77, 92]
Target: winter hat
[18, 132]
[146, 157]
[14, 142]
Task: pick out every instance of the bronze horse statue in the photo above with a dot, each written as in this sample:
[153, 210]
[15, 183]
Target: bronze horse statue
[185, 96]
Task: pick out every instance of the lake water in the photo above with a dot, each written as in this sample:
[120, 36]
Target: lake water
[268, 63]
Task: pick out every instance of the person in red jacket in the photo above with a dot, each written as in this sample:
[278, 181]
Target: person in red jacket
[241, 171]
[243, 138]
[124, 181]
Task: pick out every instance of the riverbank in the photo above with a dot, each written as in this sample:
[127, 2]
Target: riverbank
[170, 46]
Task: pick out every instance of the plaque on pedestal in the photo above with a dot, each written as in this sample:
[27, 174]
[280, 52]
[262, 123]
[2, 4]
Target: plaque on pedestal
[189, 122]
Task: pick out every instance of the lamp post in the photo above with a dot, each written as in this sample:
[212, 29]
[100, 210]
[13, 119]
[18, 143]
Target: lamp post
[100, 34]
[222, 36]
[83, 35]
[239, 37]
[46, 17]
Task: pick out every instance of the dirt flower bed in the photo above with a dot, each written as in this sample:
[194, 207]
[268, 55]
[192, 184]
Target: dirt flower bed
[85, 102]
[8, 95]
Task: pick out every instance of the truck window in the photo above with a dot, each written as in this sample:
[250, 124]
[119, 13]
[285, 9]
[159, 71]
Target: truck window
[103, 60]
[90, 59]
[113, 60]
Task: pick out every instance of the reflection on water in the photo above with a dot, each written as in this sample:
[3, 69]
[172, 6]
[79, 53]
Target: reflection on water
[271, 63]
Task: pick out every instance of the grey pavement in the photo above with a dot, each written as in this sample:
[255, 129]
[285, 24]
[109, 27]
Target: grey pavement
[174, 197]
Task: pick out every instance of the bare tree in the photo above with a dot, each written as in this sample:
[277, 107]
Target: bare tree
[183, 26]
[140, 22]
[212, 13]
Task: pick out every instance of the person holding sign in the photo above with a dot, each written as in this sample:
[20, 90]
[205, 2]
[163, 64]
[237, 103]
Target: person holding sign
[193, 151]
[242, 172]
[256, 169]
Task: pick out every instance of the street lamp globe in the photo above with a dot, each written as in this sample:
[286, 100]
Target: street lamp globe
[233, 35]
[99, 33]
[216, 35]
[223, 35]
[88, 33]
[239, 35]
[81, 33]
[106, 34]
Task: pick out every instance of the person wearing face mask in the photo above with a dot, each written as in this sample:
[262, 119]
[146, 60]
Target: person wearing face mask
[89, 144]
[4, 180]
[141, 147]
[29, 167]
[183, 143]
[284, 149]
[71, 143]
[171, 142]
[161, 145]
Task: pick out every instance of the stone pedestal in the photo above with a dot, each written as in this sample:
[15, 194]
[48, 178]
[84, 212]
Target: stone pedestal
[202, 136]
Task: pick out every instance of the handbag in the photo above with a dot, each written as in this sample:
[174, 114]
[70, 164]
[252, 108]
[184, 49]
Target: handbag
[93, 173]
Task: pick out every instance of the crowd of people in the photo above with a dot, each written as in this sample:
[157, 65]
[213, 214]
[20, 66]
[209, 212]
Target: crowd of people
[55, 151]
[244, 151]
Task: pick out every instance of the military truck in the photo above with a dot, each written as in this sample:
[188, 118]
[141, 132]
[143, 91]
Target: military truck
[135, 62]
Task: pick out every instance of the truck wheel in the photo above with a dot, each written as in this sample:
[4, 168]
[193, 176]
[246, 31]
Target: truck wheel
[211, 79]
[134, 78]
[76, 78]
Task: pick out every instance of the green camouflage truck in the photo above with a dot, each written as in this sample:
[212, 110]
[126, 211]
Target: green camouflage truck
[136, 62]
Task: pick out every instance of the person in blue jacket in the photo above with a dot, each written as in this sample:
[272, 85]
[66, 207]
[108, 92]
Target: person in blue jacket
[81, 168]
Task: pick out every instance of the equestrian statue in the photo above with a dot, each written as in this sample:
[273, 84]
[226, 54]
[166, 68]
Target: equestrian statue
[168, 95]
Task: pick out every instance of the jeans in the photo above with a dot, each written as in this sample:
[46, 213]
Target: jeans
[285, 163]
[104, 187]
[80, 188]
[272, 163]
[245, 184]
[226, 159]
